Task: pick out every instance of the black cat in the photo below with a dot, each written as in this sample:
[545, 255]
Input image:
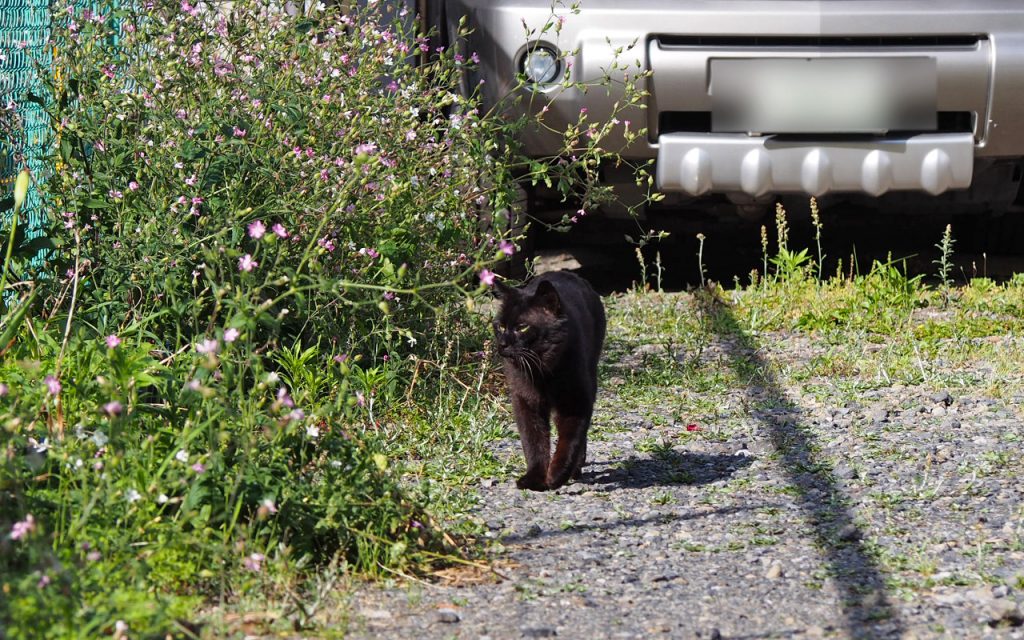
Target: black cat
[549, 335]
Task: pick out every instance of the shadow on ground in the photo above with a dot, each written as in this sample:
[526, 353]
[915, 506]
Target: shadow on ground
[866, 608]
[666, 468]
[536, 533]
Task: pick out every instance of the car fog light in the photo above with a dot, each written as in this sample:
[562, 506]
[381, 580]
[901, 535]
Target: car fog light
[540, 65]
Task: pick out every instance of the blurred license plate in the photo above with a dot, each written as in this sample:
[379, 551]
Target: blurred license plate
[823, 95]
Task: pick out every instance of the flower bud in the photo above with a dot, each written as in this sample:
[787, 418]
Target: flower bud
[21, 189]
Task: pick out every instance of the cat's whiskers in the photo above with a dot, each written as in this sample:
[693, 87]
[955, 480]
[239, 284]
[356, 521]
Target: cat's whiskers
[535, 358]
[524, 364]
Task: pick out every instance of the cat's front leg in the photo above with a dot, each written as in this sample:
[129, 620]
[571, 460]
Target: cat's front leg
[581, 460]
[570, 451]
[535, 436]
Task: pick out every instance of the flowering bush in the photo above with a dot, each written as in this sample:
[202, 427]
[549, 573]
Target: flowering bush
[260, 218]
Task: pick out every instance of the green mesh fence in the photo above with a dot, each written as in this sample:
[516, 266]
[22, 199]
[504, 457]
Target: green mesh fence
[24, 30]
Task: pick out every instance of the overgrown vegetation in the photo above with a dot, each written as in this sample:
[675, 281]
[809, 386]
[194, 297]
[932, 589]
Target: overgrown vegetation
[266, 241]
[250, 367]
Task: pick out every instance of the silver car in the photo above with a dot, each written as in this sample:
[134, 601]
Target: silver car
[870, 99]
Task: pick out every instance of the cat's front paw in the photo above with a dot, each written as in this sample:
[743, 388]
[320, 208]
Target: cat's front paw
[533, 482]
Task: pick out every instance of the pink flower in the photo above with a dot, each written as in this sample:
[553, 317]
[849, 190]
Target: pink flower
[269, 505]
[246, 263]
[207, 346]
[366, 147]
[507, 247]
[3, 389]
[230, 335]
[487, 277]
[112, 341]
[279, 230]
[52, 385]
[133, 186]
[238, 133]
[191, 180]
[23, 528]
[284, 398]
[113, 408]
[199, 467]
[692, 427]
[257, 229]
[254, 562]
[43, 581]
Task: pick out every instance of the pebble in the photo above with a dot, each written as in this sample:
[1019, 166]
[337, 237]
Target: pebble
[448, 616]
[849, 533]
[539, 632]
[1003, 610]
[774, 571]
[942, 397]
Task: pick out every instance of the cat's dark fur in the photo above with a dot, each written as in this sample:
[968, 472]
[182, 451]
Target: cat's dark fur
[549, 334]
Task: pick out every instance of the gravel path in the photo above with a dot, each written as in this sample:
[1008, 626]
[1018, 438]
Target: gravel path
[789, 510]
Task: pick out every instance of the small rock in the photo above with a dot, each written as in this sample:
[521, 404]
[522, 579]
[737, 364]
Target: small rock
[844, 471]
[980, 595]
[448, 616]
[774, 571]
[878, 414]
[1003, 611]
[487, 483]
[533, 531]
[941, 397]
[375, 614]
[848, 533]
[1000, 591]
[951, 599]
[539, 632]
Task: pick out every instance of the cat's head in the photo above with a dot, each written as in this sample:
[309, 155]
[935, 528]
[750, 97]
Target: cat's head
[530, 329]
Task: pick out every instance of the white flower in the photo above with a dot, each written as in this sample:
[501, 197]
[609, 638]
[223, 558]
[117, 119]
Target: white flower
[181, 456]
[312, 432]
[162, 498]
[39, 447]
[100, 439]
[132, 495]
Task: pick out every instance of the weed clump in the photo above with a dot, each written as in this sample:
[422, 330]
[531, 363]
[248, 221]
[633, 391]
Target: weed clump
[261, 224]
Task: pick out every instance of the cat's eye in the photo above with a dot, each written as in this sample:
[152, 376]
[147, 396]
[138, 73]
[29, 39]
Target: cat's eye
[523, 328]
[500, 327]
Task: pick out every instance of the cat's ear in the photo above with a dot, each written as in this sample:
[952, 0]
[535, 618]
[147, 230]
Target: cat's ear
[502, 290]
[547, 298]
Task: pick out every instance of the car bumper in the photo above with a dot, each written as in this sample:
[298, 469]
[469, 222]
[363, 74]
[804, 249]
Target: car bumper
[977, 49]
